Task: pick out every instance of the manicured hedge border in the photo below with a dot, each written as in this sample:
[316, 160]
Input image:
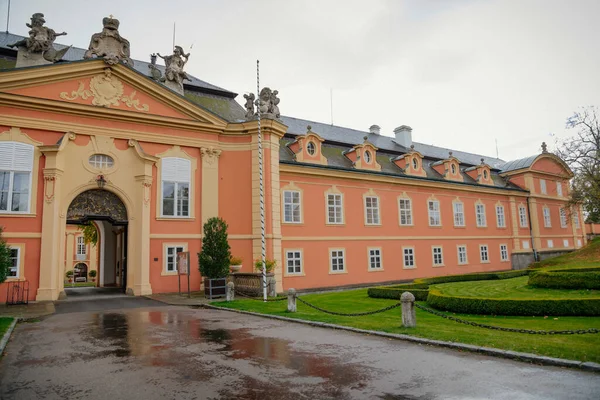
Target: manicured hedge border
[389, 292]
[565, 280]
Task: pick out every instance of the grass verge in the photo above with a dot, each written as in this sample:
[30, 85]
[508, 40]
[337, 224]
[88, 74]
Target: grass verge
[4, 324]
[573, 347]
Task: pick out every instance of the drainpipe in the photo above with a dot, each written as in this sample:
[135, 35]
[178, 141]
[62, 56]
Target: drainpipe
[535, 254]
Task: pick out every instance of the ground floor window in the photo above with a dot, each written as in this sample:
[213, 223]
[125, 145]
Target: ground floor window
[293, 261]
[15, 258]
[483, 253]
[503, 252]
[409, 257]
[375, 259]
[171, 260]
[438, 259]
[337, 260]
[462, 254]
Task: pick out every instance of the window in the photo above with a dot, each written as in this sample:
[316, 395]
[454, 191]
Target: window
[483, 253]
[15, 258]
[291, 206]
[368, 156]
[101, 161]
[525, 244]
[311, 148]
[459, 214]
[375, 259]
[576, 219]
[434, 213]
[405, 211]
[462, 254]
[480, 215]
[293, 261]
[547, 219]
[565, 242]
[563, 218]
[16, 164]
[334, 209]
[409, 257]
[81, 248]
[543, 186]
[578, 242]
[523, 216]
[500, 220]
[171, 260]
[550, 243]
[438, 259]
[337, 260]
[176, 173]
[453, 169]
[372, 210]
[503, 252]
[415, 163]
[559, 189]
[485, 174]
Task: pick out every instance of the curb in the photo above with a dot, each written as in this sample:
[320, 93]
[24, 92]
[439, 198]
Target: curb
[7, 334]
[488, 351]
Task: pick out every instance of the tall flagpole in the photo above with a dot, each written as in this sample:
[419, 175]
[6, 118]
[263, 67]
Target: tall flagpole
[261, 190]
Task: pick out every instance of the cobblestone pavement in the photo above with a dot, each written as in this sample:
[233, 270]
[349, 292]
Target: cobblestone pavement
[183, 353]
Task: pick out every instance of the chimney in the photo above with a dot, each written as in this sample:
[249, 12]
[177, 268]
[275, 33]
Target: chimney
[403, 135]
[375, 129]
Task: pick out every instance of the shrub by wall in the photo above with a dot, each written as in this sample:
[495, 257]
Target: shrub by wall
[565, 279]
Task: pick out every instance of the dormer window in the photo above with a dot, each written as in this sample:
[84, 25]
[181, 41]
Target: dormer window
[368, 157]
[415, 163]
[453, 168]
[307, 148]
[363, 156]
[311, 148]
[485, 174]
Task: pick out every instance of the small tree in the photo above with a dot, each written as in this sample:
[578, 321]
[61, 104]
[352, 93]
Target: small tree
[213, 260]
[5, 260]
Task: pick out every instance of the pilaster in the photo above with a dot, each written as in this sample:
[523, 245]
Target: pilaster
[138, 253]
[210, 182]
[515, 224]
[535, 224]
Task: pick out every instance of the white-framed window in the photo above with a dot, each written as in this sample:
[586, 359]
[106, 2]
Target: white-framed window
[16, 165]
[409, 257]
[459, 213]
[525, 244]
[503, 252]
[547, 218]
[176, 177]
[291, 207]
[293, 261]
[523, 217]
[15, 262]
[550, 243]
[335, 214]
[311, 148]
[500, 219]
[462, 254]
[543, 186]
[372, 210]
[81, 247]
[563, 218]
[438, 256]
[375, 259]
[480, 215]
[433, 207]
[565, 242]
[171, 257]
[337, 260]
[368, 156]
[576, 219]
[484, 255]
[578, 242]
[405, 211]
[559, 191]
[101, 161]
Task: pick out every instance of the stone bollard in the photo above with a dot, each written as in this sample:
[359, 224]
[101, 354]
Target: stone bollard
[291, 300]
[409, 319]
[230, 291]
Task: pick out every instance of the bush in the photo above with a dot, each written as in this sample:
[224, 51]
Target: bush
[485, 276]
[93, 273]
[235, 260]
[388, 292]
[474, 305]
[213, 260]
[565, 280]
[5, 260]
[269, 265]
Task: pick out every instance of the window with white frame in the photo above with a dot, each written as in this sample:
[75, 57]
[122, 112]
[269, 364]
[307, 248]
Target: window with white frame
[372, 210]
[438, 258]
[405, 211]
[409, 257]
[525, 244]
[523, 217]
[503, 252]
[480, 215]
[176, 178]
[547, 218]
[500, 219]
[559, 191]
[15, 261]
[459, 213]
[81, 247]
[578, 242]
[291, 206]
[337, 260]
[334, 209]
[543, 186]
[375, 259]
[563, 218]
[311, 148]
[484, 255]
[101, 161]
[462, 254]
[565, 242]
[433, 206]
[576, 219]
[171, 260]
[16, 165]
[293, 261]
[550, 243]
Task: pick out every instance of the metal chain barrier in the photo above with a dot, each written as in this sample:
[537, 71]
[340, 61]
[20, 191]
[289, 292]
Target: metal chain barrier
[259, 298]
[351, 314]
[499, 328]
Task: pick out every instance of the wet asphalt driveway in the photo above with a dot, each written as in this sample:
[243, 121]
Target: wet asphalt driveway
[183, 353]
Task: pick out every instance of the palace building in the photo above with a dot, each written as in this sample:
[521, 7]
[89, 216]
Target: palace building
[147, 153]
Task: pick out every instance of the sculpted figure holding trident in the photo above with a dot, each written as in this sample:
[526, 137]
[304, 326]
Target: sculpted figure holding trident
[41, 39]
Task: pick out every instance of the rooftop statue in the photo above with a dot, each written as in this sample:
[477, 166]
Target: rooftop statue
[174, 73]
[268, 103]
[109, 44]
[40, 41]
[249, 105]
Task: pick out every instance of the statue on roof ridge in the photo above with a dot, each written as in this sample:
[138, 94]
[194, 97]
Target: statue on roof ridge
[268, 103]
[174, 73]
[39, 43]
[109, 44]
[249, 105]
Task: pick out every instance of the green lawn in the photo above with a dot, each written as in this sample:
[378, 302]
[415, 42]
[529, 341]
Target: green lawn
[575, 347]
[4, 324]
[588, 256]
[80, 284]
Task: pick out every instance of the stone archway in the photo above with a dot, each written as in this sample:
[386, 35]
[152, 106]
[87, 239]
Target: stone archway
[97, 204]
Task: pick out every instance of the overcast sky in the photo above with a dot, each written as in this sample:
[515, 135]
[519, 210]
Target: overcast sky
[461, 73]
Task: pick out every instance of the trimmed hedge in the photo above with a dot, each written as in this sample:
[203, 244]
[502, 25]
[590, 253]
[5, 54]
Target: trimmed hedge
[485, 276]
[389, 292]
[474, 305]
[565, 280]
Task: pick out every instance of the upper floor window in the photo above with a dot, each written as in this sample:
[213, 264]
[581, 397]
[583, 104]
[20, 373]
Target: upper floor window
[291, 206]
[547, 219]
[459, 213]
[576, 219]
[563, 218]
[522, 216]
[543, 186]
[433, 207]
[372, 210]
[480, 215]
[334, 209]
[500, 219]
[175, 176]
[405, 210]
[15, 261]
[311, 148]
[81, 248]
[101, 161]
[16, 164]
[559, 191]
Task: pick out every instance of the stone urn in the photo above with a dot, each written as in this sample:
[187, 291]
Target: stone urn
[236, 268]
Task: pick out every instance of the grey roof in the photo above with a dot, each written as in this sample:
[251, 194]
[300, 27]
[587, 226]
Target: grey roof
[353, 137]
[518, 164]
